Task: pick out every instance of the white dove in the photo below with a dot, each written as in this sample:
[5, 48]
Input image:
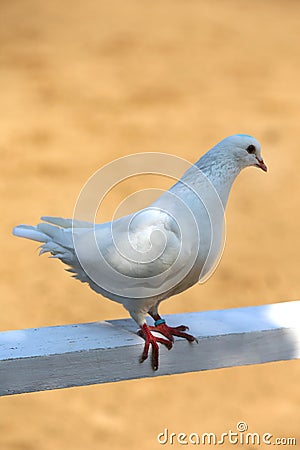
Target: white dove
[146, 257]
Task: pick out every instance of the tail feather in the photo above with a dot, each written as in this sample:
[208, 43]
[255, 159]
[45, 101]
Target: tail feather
[50, 247]
[29, 232]
[57, 240]
[67, 223]
[62, 236]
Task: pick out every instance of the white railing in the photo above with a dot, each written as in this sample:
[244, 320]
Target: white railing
[75, 355]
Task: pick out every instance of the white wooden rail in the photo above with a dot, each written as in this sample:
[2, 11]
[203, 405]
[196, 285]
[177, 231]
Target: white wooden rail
[75, 355]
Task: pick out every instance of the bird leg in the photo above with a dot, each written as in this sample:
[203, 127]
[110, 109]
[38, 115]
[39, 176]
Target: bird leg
[152, 340]
[161, 327]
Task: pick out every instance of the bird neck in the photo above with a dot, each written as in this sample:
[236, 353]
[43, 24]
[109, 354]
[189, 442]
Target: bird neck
[218, 173]
[223, 180]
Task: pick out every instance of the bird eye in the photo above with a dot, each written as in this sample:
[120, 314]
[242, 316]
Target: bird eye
[251, 149]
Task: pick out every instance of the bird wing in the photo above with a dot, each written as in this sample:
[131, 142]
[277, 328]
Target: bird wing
[140, 245]
[142, 251]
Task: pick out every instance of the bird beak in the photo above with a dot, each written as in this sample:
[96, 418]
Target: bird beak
[261, 165]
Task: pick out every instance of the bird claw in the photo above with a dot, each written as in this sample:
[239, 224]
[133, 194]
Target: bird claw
[152, 340]
[182, 328]
[170, 332]
[167, 332]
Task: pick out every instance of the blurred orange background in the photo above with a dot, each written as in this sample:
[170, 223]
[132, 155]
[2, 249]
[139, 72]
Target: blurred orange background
[85, 82]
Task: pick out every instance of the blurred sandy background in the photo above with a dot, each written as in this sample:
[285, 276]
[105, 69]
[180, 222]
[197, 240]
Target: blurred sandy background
[85, 82]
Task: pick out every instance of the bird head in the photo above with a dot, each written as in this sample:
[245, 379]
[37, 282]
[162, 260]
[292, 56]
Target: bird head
[245, 150]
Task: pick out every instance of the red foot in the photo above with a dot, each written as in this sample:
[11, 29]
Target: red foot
[170, 332]
[153, 341]
[165, 330]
